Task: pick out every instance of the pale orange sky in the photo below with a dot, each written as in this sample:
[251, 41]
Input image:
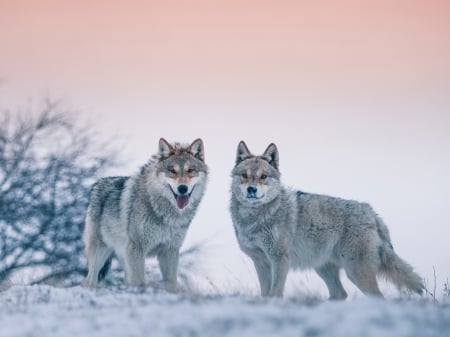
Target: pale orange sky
[225, 43]
[372, 59]
[356, 94]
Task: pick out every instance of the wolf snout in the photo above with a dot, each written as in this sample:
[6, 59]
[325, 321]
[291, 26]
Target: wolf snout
[182, 189]
[251, 191]
[182, 196]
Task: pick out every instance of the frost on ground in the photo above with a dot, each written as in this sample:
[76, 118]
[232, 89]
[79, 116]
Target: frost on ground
[48, 311]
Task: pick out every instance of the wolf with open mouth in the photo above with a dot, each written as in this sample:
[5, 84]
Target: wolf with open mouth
[147, 214]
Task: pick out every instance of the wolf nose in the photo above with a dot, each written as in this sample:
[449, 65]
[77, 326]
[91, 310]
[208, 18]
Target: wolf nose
[251, 190]
[182, 189]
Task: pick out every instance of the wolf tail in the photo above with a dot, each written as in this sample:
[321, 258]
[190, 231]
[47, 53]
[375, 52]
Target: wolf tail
[395, 268]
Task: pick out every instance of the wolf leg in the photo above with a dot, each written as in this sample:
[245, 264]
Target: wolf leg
[364, 277]
[262, 265]
[134, 261]
[329, 272]
[97, 254]
[280, 268]
[168, 264]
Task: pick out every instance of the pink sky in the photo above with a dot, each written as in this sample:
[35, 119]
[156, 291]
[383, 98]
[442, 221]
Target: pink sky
[225, 43]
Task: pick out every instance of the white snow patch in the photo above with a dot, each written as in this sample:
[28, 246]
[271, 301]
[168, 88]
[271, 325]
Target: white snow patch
[48, 311]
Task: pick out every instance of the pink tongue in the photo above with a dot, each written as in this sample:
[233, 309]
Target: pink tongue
[182, 201]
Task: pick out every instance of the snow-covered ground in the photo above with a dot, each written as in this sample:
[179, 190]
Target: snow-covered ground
[44, 311]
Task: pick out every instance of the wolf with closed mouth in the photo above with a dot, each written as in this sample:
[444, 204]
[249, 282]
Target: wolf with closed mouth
[279, 228]
[147, 214]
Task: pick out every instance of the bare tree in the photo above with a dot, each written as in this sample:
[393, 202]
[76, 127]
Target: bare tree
[47, 166]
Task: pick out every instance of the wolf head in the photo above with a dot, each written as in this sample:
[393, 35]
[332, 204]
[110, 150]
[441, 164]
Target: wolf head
[181, 172]
[256, 179]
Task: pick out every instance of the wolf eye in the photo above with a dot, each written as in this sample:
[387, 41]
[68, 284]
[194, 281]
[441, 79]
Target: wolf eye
[172, 170]
[263, 177]
[191, 170]
[244, 175]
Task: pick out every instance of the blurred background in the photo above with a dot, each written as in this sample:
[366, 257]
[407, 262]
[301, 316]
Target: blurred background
[356, 95]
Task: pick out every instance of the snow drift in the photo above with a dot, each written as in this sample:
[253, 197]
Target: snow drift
[48, 311]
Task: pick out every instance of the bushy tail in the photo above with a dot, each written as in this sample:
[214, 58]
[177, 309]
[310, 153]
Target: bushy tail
[399, 272]
[393, 267]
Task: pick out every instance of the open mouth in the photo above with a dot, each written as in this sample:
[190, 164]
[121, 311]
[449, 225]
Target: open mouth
[182, 200]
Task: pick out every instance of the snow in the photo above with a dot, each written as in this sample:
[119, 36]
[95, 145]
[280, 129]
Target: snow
[120, 311]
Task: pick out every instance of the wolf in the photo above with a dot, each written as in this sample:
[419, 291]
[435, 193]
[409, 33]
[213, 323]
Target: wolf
[146, 214]
[281, 228]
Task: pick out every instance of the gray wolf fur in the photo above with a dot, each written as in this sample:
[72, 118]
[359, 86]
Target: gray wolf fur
[279, 228]
[147, 214]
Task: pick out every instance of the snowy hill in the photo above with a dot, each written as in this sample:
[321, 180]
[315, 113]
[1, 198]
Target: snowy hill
[44, 311]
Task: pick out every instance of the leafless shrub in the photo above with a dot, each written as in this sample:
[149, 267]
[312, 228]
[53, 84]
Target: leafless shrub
[47, 166]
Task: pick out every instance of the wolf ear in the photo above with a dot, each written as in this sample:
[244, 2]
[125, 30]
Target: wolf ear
[271, 155]
[165, 149]
[242, 152]
[197, 149]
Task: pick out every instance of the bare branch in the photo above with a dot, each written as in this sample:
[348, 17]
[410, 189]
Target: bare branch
[47, 166]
